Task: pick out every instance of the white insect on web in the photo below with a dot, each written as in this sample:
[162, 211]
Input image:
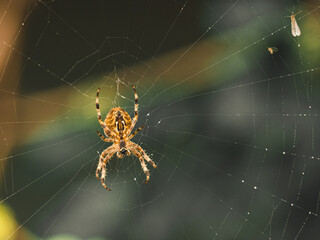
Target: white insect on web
[295, 30]
[227, 94]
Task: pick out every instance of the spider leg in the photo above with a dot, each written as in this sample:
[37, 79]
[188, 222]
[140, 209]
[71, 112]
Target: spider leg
[135, 132]
[106, 129]
[98, 170]
[103, 176]
[143, 154]
[104, 158]
[140, 153]
[143, 164]
[136, 105]
[103, 138]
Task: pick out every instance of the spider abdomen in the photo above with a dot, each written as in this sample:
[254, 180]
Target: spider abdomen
[118, 120]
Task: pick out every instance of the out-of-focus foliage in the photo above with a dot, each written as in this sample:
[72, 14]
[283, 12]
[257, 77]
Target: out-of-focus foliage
[70, 237]
[7, 222]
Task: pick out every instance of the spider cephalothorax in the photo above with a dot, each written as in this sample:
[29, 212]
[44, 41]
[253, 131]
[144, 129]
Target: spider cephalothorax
[118, 126]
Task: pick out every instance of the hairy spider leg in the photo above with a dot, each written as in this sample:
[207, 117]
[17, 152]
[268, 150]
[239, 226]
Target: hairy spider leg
[103, 138]
[104, 158]
[136, 105]
[139, 152]
[144, 155]
[142, 163]
[136, 131]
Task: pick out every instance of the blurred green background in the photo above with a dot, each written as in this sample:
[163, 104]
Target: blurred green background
[233, 129]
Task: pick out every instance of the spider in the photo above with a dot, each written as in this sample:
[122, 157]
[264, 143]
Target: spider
[118, 126]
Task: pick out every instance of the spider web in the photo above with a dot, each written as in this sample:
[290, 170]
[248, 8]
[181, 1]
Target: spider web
[233, 129]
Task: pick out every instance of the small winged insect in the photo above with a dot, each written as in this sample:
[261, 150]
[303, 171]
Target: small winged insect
[295, 30]
[272, 50]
